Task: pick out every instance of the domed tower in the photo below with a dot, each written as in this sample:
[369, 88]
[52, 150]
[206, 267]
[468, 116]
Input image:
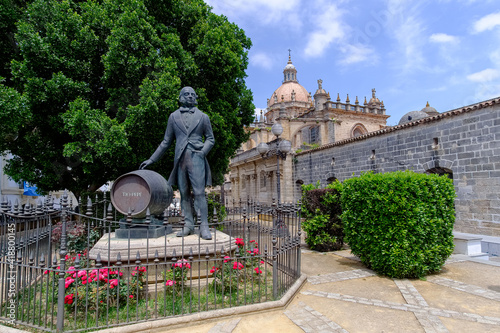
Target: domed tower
[289, 97]
[430, 110]
[412, 116]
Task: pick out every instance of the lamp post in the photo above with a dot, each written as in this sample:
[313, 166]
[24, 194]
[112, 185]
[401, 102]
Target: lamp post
[282, 148]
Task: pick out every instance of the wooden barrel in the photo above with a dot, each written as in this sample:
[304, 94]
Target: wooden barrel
[139, 190]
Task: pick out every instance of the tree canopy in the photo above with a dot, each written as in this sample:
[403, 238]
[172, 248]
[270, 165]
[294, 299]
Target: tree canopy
[90, 85]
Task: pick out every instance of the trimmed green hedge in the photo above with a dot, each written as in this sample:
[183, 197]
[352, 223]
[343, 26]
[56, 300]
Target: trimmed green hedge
[400, 224]
[321, 209]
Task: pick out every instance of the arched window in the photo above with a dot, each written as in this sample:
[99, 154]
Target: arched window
[263, 179]
[298, 189]
[315, 136]
[441, 171]
[331, 180]
[358, 130]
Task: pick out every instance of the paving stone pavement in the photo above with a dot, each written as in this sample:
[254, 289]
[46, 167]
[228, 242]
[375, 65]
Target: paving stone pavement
[341, 295]
[415, 308]
[340, 276]
[430, 323]
[310, 320]
[427, 316]
[225, 326]
[467, 288]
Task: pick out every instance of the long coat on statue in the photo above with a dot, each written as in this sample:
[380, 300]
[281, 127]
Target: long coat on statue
[187, 134]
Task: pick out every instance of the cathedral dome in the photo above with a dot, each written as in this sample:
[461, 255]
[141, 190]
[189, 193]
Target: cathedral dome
[430, 110]
[290, 91]
[412, 116]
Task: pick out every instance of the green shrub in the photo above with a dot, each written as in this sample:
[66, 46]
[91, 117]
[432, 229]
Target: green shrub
[400, 224]
[213, 202]
[80, 238]
[321, 209]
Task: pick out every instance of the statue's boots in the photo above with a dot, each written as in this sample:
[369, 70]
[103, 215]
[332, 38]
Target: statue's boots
[205, 231]
[186, 231]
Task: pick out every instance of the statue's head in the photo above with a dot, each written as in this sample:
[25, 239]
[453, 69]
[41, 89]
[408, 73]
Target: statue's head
[187, 97]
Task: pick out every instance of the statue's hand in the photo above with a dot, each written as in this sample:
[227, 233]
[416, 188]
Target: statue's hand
[145, 164]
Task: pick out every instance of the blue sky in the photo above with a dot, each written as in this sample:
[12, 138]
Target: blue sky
[446, 52]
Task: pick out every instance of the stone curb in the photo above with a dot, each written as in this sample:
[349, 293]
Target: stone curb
[6, 329]
[195, 319]
[478, 261]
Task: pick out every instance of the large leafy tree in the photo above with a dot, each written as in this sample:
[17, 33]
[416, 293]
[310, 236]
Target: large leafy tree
[10, 12]
[93, 83]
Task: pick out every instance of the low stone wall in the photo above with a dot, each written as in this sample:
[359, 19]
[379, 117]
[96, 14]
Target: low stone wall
[464, 143]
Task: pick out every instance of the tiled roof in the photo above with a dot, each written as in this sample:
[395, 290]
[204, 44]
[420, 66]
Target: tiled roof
[451, 113]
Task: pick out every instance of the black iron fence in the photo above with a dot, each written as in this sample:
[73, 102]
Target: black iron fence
[89, 268]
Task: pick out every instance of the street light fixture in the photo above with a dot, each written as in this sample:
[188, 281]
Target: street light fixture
[277, 129]
[283, 147]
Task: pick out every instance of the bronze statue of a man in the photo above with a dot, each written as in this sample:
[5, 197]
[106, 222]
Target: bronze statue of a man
[188, 125]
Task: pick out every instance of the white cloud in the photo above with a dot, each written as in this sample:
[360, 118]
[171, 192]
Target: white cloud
[356, 54]
[487, 22]
[328, 30]
[321, 24]
[486, 91]
[262, 60]
[244, 6]
[408, 30]
[486, 75]
[495, 57]
[442, 38]
[265, 11]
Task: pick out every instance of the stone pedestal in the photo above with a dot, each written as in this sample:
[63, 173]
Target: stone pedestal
[139, 229]
[109, 246]
[139, 232]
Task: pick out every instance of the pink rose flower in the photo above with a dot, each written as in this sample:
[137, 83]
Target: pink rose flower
[68, 282]
[238, 265]
[170, 283]
[240, 242]
[68, 299]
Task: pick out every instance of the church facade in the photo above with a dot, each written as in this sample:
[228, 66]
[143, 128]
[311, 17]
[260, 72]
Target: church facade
[335, 140]
[308, 121]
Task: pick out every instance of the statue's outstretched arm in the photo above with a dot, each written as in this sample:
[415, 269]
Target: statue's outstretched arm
[162, 148]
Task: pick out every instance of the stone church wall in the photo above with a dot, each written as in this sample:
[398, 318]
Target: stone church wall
[464, 142]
